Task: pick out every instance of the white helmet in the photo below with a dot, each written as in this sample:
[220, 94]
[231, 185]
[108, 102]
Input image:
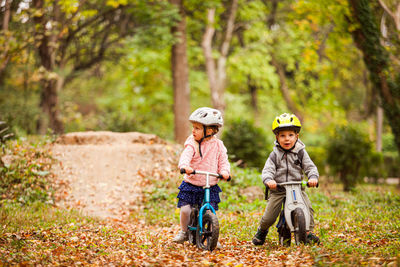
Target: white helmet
[207, 117]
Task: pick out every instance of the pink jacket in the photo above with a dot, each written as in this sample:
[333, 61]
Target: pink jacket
[215, 159]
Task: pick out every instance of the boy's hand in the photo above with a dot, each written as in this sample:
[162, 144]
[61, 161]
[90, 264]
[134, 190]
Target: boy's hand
[312, 182]
[225, 175]
[271, 184]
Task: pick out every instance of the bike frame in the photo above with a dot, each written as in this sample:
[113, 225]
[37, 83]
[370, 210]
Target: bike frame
[206, 202]
[294, 199]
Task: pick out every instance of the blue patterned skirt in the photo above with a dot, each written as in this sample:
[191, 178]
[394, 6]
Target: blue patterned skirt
[191, 194]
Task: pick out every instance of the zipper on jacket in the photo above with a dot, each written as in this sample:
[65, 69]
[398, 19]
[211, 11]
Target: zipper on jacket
[287, 169]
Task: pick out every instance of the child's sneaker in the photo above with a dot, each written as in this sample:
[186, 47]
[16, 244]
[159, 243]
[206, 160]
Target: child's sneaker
[312, 238]
[259, 237]
[181, 237]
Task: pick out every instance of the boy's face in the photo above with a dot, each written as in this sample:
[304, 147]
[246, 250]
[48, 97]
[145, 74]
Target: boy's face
[287, 139]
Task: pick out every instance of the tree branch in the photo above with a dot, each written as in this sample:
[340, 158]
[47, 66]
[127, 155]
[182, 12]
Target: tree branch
[395, 16]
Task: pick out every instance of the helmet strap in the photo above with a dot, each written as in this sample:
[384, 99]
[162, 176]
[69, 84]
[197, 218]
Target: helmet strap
[204, 137]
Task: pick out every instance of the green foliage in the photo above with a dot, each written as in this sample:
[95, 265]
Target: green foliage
[24, 179]
[19, 108]
[318, 156]
[388, 143]
[377, 59]
[391, 161]
[375, 166]
[348, 151]
[4, 136]
[132, 90]
[246, 144]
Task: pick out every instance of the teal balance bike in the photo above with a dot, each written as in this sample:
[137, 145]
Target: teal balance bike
[203, 224]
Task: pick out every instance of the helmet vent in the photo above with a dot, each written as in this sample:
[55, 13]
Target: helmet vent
[278, 121]
[207, 116]
[291, 119]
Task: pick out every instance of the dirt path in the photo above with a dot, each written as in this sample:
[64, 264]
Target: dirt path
[103, 171]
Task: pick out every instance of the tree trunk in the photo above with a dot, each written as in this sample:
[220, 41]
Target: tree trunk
[284, 88]
[5, 57]
[253, 94]
[367, 39]
[209, 60]
[217, 72]
[180, 80]
[379, 124]
[51, 83]
[49, 106]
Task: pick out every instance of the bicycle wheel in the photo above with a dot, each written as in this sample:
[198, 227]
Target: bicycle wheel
[193, 223]
[284, 236]
[208, 238]
[283, 231]
[299, 224]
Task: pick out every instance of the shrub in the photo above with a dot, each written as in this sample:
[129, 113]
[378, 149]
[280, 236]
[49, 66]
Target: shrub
[25, 179]
[318, 156]
[349, 152]
[375, 167]
[391, 162]
[246, 144]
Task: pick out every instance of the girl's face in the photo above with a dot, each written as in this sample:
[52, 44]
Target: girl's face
[287, 139]
[197, 131]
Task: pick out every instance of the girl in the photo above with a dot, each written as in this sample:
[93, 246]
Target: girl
[202, 151]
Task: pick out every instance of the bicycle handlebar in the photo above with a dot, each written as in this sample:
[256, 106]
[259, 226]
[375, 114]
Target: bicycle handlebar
[219, 176]
[295, 182]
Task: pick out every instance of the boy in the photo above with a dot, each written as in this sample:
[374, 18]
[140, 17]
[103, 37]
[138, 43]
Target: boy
[286, 163]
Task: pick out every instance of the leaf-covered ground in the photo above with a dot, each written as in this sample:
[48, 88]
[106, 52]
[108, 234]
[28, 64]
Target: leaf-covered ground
[356, 229]
[76, 241]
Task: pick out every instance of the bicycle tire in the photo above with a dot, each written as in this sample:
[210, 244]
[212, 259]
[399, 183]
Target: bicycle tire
[208, 239]
[284, 233]
[285, 236]
[193, 223]
[299, 223]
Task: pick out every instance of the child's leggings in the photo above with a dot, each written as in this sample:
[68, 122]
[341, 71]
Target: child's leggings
[185, 217]
[274, 207]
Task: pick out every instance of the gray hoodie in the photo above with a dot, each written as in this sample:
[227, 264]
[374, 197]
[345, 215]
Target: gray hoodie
[288, 166]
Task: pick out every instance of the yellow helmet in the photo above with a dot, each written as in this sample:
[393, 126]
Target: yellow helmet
[286, 122]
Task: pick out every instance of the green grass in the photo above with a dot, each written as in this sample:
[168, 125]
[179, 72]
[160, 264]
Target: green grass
[15, 217]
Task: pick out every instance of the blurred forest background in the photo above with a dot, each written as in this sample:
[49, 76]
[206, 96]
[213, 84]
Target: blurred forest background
[145, 65]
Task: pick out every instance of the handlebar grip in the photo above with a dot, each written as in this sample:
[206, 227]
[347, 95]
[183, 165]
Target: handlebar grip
[221, 177]
[184, 171]
[308, 185]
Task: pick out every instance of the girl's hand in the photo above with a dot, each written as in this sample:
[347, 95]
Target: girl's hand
[188, 170]
[312, 182]
[225, 175]
[271, 184]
